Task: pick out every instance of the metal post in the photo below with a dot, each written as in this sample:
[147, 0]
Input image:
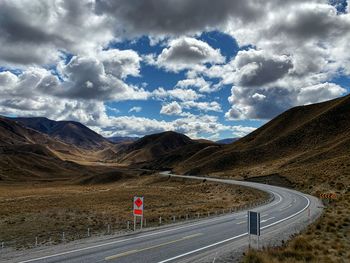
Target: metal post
[134, 223]
[160, 220]
[128, 225]
[249, 241]
[63, 237]
[258, 242]
[108, 229]
[36, 241]
[88, 232]
[174, 219]
[141, 222]
[208, 214]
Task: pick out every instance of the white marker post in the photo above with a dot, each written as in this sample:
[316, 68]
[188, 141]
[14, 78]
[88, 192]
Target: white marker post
[138, 210]
[253, 225]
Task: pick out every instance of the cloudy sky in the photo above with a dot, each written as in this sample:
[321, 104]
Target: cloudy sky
[131, 67]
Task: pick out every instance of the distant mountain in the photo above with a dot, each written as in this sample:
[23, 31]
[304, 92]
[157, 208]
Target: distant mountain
[26, 154]
[70, 132]
[153, 146]
[306, 139]
[227, 140]
[120, 139]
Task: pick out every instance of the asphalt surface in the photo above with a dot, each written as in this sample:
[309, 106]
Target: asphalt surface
[181, 242]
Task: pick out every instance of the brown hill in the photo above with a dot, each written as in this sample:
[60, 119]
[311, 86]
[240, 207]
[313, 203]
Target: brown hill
[70, 132]
[156, 147]
[314, 135]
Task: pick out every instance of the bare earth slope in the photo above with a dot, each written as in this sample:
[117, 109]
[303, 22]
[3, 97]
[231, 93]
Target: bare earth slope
[315, 135]
[70, 132]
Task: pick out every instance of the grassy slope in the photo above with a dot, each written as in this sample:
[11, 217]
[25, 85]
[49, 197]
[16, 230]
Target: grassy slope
[57, 207]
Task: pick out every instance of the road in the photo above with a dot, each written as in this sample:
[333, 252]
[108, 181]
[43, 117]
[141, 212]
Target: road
[179, 243]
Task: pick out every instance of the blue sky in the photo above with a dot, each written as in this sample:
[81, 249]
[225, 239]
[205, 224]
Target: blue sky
[136, 68]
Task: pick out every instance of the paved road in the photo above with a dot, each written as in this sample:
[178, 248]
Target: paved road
[181, 242]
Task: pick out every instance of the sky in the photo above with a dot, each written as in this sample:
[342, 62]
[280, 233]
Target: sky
[132, 68]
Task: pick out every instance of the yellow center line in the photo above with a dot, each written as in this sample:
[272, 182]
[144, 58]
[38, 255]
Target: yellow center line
[152, 247]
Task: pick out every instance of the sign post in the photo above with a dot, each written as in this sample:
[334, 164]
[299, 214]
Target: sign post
[138, 209]
[253, 225]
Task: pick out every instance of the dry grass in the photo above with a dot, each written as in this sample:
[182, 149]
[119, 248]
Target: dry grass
[29, 210]
[328, 239]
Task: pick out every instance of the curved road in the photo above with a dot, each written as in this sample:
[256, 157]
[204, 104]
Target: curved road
[180, 243]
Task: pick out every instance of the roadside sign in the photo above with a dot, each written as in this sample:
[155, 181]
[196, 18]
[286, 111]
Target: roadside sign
[253, 223]
[138, 205]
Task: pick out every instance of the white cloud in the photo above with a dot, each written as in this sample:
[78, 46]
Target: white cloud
[202, 106]
[265, 103]
[35, 32]
[135, 109]
[240, 131]
[186, 53]
[172, 108]
[177, 93]
[198, 82]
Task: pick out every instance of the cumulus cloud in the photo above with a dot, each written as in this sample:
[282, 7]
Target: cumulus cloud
[202, 106]
[172, 108]
[35, 32]
[198, 82]
[186, 53]
[161, 17]
[240, 131]
[265, 103]
[176, 93]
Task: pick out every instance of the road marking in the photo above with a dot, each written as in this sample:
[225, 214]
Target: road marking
[242, 217]
[127, 253]
[127, 239]
[235, 237]
[284, 208]
[242, 222]
[264, 215]
[168, 230]
[265, 220]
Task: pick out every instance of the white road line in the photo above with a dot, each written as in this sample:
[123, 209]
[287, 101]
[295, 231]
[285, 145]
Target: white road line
[286, 207]
[265, 220]
[127, 239]
[235, 237]
[242, 222]
[165, 231]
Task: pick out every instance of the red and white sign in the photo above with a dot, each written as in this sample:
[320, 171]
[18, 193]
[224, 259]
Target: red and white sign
[138, 206]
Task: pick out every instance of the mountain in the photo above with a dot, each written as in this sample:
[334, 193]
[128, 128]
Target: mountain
[70, 132]
[152, 147]
[26, 154]
[121, 139]
[312, 139]
[227, 140]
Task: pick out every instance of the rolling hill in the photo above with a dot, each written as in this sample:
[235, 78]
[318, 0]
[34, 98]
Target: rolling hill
[309, 138]
[70, 132]
[153, 147]
[27, 154]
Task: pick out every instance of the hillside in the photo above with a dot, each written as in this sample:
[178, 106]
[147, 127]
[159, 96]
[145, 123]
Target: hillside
[153, 147]
[70, 132]
[27, 154]
[307, 137]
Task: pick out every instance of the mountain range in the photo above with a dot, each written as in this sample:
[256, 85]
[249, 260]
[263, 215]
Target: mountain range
[305, 138]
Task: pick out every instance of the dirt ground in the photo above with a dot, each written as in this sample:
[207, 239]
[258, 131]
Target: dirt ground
[46, 210]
